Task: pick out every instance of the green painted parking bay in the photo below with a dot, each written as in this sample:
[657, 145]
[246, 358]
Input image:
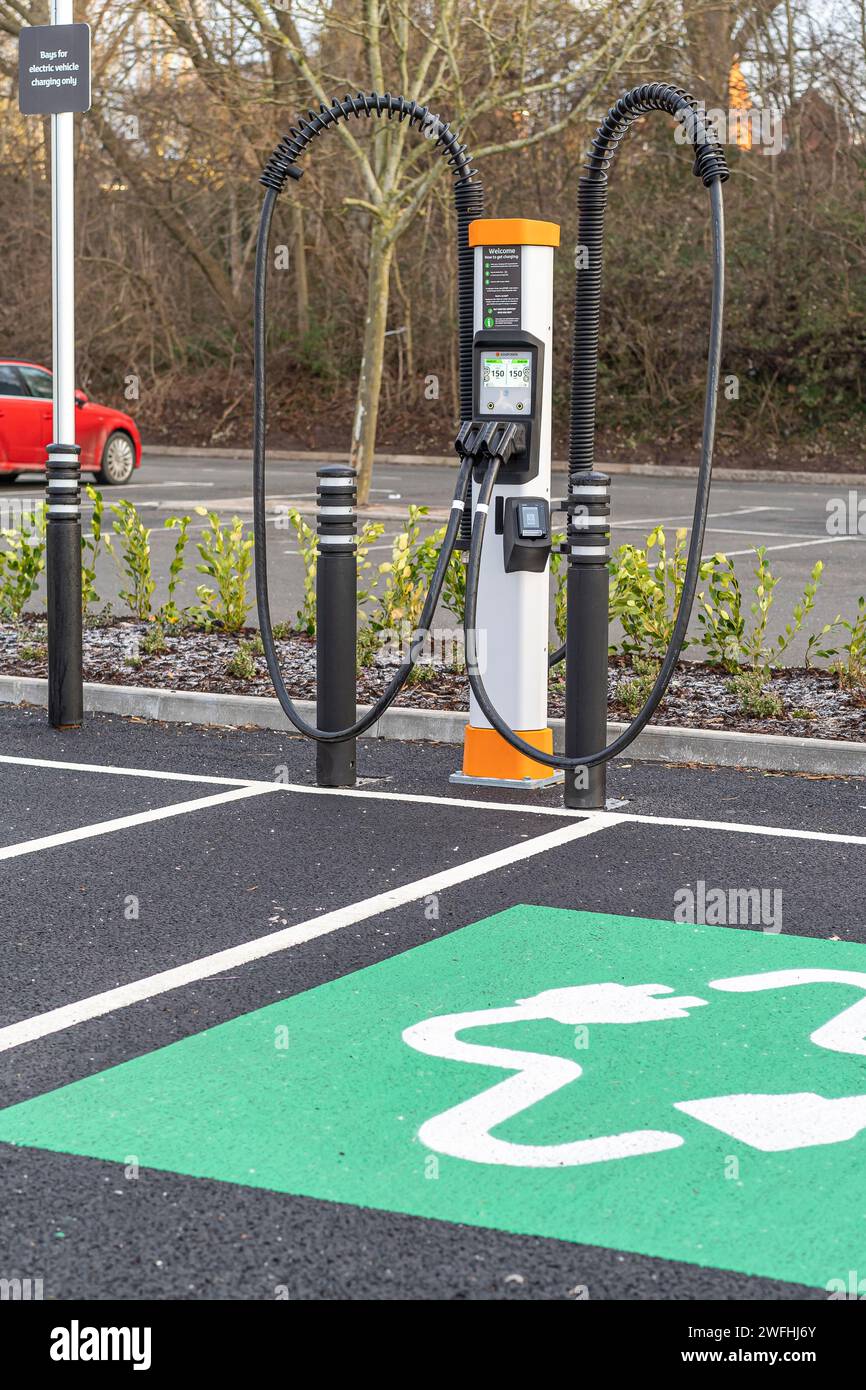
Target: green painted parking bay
[694, 1093]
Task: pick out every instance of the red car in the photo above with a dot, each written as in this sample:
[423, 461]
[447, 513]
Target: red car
[110, 442]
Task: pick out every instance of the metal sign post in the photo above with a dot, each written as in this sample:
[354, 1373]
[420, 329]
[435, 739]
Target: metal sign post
[54, 78]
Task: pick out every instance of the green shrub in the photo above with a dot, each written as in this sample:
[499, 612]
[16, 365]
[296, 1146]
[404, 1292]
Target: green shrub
[243, 664]
[559, 574]
[454, 583]
[634, 690]
[368, 645]
[454, 586]
[226, 557]
[727, 638]
[753, 697]
[133, 558]
[308, 545]
[153, 641]
[407, 575]
[33, 642]
[104, 618]
[851, 666]
[169, 612]
[645, 593]
[422, 672]
[720, 613]
[91, 544]
[21, 565]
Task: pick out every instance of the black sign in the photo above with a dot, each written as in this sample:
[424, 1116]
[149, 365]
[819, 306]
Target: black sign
[54, 69]
[501, 297]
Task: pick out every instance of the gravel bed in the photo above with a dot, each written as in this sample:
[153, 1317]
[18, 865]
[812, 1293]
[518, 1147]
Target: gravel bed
[698, 697]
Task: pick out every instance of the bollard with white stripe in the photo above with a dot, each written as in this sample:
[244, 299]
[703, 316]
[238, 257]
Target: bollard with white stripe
[336, 620]
[63, 583]
[587, 545]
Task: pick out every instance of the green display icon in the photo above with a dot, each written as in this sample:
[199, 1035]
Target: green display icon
[489, 321]
[694, 1093]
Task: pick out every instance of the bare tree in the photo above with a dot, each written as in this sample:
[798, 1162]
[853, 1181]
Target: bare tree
[191, 96]
[476, 61]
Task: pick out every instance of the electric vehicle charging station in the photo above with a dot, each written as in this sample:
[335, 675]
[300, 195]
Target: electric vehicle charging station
[343, 1144]
[505, 316]
[512, 369]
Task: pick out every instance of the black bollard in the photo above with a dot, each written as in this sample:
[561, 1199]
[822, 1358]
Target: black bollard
[63, 583]
[588, 582]
[336, 621]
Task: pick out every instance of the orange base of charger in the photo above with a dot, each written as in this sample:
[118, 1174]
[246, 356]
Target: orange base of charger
[488, 758]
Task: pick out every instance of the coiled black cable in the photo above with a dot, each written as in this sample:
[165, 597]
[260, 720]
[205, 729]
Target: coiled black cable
[711, 168]
[469, 204]
[468, 189]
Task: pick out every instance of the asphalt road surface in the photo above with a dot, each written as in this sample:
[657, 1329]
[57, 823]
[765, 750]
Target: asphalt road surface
[790, 521]
[259, 1041]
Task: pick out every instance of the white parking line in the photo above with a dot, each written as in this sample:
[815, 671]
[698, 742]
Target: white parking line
[739, 828]
[61, 766]
[612, 817]
[419, 798]
[105, 827]
[369, 549]
[424, 799]
[796, 545]
[57, 1020]
[361, 793]
[689, 516]
[582, 824]
[730, 531]
[751, 531]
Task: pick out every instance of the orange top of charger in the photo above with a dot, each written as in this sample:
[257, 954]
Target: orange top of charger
[512, 231]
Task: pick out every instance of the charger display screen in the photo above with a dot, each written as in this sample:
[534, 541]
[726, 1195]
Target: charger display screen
[505, 382]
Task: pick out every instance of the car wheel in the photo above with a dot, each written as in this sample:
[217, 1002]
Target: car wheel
[118, 460]
[8, 478]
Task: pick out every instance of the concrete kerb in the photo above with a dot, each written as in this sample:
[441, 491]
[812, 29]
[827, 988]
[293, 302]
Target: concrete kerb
[658, 743]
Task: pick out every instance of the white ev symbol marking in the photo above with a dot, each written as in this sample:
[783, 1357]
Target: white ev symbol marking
[769, 1122]
[464, 1130]
[799, 1119]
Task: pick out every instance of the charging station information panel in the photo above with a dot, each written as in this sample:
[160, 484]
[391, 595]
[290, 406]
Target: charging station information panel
[501, 286]
[54, 69]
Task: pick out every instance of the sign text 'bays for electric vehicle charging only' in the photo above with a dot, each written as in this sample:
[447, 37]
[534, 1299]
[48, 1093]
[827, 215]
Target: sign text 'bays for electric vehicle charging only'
[54, 69]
